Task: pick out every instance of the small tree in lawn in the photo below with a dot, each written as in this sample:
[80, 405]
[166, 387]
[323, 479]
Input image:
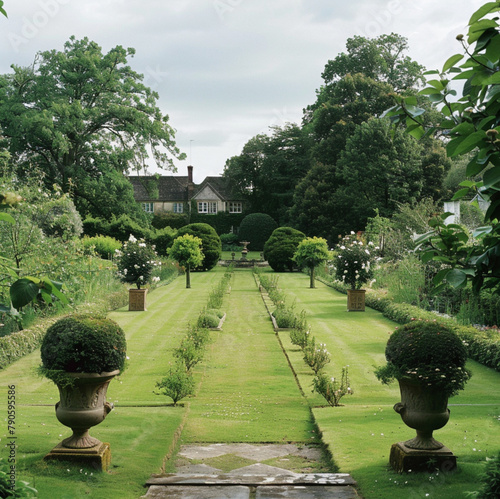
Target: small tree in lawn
[186, 250]
[310, 253]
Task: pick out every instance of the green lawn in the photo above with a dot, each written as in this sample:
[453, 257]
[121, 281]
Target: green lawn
[247, 393]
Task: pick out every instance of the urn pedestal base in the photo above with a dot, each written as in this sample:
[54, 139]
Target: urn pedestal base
[403, 459]
[97, 457]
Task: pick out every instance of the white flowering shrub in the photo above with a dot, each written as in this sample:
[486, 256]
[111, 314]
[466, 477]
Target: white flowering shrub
[316, 356]
[136, 262]
[332, 389]
[353, 263]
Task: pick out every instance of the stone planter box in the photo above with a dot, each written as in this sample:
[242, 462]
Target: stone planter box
[137, 300]
[356, 300]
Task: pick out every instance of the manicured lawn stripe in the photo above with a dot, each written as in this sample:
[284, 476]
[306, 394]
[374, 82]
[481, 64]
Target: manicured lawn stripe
[360, 433]
[248, 393]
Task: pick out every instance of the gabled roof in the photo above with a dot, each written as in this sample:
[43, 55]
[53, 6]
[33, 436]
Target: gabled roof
[220, 186]
[170, 188]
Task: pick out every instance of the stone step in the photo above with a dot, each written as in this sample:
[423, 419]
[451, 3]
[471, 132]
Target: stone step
[245, 485]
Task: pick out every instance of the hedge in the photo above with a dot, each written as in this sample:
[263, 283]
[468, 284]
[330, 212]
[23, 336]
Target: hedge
[482, 346]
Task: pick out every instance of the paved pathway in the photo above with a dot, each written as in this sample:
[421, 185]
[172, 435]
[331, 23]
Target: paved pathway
[196, 480]
[243, 470]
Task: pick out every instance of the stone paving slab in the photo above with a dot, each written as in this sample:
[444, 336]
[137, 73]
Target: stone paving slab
[253, 480]
[306, 492]
[215, 492]
[254, 452]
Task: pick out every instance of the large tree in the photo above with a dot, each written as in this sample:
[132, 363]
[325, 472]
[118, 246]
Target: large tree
[269, 167]
[77, 114]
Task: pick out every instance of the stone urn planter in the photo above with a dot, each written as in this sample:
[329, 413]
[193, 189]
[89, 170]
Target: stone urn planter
[83, 405]
[81, 354]
[137, 300]
[428, 360]
[356, 300]
[424, 410]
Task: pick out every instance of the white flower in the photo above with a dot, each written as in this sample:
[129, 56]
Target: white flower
[142, 245]
[132, 239]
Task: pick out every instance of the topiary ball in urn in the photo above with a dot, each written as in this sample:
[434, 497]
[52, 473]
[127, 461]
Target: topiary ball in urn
[81, 354]
[428, 359]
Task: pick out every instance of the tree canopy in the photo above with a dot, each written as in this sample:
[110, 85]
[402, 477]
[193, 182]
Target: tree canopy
[187, 251]
[77, 115]
[310, 253]
[471, 123]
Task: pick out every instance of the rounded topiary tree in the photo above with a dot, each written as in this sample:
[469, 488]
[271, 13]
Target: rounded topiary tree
[211, 245]
[256, 228]
[281, 246]
[83, 344]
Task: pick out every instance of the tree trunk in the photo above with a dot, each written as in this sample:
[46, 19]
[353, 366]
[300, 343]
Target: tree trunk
[188, 277]
[312, 277]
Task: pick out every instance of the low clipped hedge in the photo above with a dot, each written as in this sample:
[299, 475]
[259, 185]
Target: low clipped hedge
[17, 345]
[482, 346]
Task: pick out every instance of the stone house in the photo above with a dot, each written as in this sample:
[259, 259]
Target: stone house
[179, 194]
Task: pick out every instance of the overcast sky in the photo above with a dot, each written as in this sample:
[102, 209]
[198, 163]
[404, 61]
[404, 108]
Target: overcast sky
[226, 70]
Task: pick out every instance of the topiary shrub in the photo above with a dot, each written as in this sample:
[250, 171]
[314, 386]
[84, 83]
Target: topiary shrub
[428, 353]
[162, 239]
[281, 246]
[83, 344]
[256, 228]
[211, 246]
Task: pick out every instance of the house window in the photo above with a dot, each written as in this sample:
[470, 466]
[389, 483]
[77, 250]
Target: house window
[148, 207]
[207, 207]
[235, 207]
[178, 207]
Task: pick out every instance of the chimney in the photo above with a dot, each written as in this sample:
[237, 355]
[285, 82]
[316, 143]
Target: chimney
[190, 174]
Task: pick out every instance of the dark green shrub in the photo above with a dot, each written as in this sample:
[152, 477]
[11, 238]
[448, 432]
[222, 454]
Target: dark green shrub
[491, 479]
[104, 246]
[161, 239]
[285, 317]
[162, 219]
[257, 229]
[84, 344]
[280, 248]
[230, 242]
[210, 241]
[177, 384]
[428, 353]
[119, 228]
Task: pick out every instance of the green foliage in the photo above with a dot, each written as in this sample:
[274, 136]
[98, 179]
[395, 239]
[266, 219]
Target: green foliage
[187, 251]
[84, 344]
[353, 262]
[256, 228]
[230, 242]
[316, 357]
[268, 169]
[284, 316]
[59, 218]
[211, 246]
[470, 122]
[177, 385]
[136, 262]
[310, 253]
[300, 336]
[10, 487]
[119, 228]
[163, 219]
[188, 353]
[331, 388]
[103, 120]
[428, 353]
[490, 479]
[104, 246]
[209, 318]
[161, 239]
[281, 247]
